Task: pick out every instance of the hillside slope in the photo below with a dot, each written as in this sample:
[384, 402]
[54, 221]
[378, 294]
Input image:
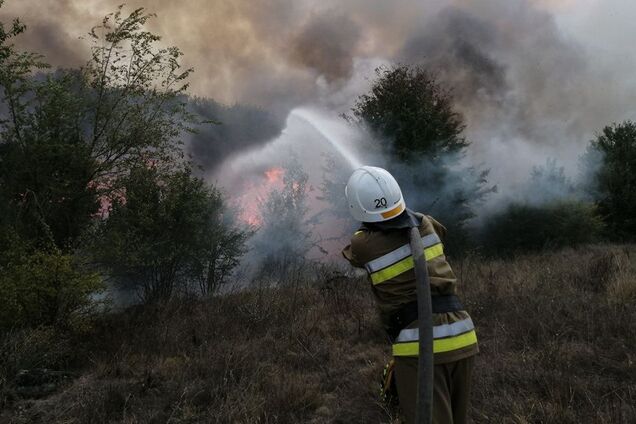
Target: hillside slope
[557, 335]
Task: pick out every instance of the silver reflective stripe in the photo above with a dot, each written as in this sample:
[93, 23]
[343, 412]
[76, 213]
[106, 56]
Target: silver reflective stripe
[439, 331]
[399, 254]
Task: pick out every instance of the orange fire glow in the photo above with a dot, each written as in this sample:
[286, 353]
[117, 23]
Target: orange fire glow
[274, 175]
[256, 192]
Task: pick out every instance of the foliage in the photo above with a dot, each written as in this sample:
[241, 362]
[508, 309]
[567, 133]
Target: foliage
[40, 287]
[135, 112]
[69, 135]
[43, 194]
[614, 183]
[548, 183]
[67, 140]
[168, 233]
[414, 115]
[46, 170]
[285, 236]
[335, 174]
[16, 69]
[525, 227]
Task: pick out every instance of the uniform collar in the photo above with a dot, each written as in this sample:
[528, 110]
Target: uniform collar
[407, 219]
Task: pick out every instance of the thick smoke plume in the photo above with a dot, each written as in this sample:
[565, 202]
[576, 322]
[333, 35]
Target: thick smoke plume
[532, 78]
[524, 72]
[225, 131]
[327, 44]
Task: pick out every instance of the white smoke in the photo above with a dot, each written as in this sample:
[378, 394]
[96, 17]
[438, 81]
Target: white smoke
[533, 78]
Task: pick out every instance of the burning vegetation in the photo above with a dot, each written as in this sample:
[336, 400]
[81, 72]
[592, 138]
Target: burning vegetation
[257, 191]
[135, 290]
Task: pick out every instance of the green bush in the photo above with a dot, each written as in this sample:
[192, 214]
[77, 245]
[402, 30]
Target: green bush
[43, 288]
[416, 121]
[170, 234]
[523, 227]
[612, 158]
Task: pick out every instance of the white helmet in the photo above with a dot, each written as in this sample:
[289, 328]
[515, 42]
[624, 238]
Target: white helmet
[374, 195]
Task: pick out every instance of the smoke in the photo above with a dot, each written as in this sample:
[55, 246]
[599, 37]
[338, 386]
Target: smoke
[50, 29]
[523, 71]
[532, 78]
[456, 47]
[525, 88]
[231, 130]
[327, 45]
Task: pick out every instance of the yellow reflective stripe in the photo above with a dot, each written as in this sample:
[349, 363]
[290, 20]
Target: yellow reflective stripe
[434, 252]
[405, 265]
[396, 211]
[392, 271]
[358, 232]
[400, 253]
[439, 345]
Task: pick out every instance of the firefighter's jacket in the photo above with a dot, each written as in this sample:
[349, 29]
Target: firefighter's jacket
[386, 255]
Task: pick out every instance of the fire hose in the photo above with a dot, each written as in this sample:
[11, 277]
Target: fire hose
[424, 403]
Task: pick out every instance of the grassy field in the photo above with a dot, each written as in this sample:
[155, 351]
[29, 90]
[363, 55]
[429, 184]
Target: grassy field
[557, 335]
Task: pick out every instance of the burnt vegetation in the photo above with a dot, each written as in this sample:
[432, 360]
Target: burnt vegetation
[96, 189]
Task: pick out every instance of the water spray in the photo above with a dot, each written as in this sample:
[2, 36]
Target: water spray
[323, 127]
[424, 399]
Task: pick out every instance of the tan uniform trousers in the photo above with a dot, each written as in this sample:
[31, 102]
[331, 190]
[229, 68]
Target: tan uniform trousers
[451, 389]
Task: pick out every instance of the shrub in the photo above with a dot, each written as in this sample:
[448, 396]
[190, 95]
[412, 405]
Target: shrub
[416, 120]
[614, 182]
[43, 288]
[523, 227]
[65, 137]
[168, 233]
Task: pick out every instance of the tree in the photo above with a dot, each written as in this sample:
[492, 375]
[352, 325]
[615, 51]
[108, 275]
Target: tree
[612, 157]
[548, 183]
[68, 136]
[46, 170]
[415, 114]
[67, 140]
[524, 227]
[285, 237]
[135, 112]
[16, 69]
[39, 204]
[422, 134]
[168, 233]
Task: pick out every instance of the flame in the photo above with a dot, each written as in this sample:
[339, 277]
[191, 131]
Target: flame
[256, 192]
[274, 175]
[252, 218]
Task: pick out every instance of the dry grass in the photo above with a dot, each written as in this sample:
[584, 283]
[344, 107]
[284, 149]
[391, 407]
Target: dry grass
[557, 336]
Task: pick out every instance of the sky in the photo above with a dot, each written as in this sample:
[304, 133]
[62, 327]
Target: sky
[532, 78]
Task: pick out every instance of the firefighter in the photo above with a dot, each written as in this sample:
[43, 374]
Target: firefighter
[381, 246]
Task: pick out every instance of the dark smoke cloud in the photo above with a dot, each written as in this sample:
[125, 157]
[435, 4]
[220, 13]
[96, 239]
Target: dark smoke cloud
[456, 47]
[327, 44]
[236, 128]
[60, 49]
[533, 78]
[526, 89]
[506, 63]
[56, 38]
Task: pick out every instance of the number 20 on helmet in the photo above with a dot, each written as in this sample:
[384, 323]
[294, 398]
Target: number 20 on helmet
[373, 195]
